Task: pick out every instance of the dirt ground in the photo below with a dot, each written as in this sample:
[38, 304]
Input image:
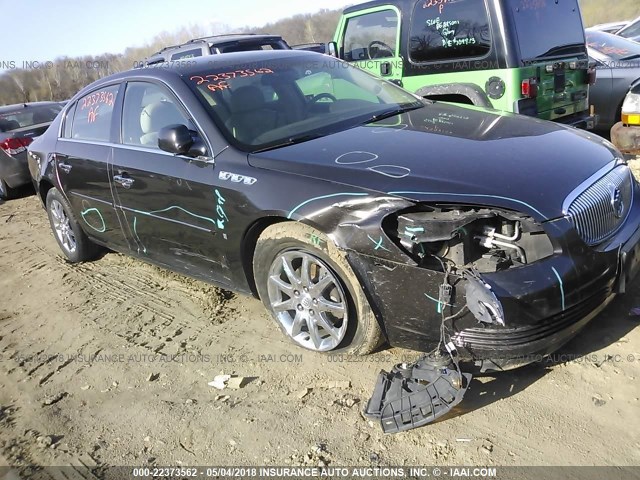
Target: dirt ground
[82, 381]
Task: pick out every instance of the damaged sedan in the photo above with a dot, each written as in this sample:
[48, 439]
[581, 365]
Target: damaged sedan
[357, 212]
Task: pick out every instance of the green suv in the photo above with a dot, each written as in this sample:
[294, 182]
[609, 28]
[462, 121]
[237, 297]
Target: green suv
[522, 56]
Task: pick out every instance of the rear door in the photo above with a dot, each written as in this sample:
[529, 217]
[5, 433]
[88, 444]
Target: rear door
[370, 39]
[82, 160]
[172, 207]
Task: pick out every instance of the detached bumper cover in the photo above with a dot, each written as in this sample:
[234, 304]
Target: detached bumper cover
[626, 138]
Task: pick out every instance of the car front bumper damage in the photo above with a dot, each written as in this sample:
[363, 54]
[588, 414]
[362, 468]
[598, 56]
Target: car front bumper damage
[542, 305]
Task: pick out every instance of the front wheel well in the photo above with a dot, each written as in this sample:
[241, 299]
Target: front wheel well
[248, 247]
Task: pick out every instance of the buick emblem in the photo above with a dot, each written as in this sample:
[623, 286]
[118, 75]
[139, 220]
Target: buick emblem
[617, 203]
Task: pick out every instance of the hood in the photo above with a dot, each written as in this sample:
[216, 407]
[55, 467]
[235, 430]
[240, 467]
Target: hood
[449, 153]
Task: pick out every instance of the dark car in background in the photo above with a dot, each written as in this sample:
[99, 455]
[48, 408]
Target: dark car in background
[215, 45]
[355, 210]
[19, 125]
[618, 68]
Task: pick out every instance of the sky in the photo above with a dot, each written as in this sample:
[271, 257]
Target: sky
[43, 30]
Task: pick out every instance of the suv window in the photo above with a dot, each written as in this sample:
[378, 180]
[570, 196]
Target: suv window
[147, 109]
[372, 35]
[449, 30]
[547, 27]
[187, 54]
[92, 117]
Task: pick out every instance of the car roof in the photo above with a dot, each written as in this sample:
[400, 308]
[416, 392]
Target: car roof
[197, 65]
[222, 39]
[21, 106]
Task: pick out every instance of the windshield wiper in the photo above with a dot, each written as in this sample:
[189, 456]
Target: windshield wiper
[290, 141]
[393, 112]
[560, 49]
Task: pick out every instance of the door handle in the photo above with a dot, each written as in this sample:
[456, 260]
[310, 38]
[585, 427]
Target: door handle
[124, 180]
[65, 167]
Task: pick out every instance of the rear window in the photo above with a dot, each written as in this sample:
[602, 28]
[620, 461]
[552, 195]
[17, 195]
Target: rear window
[28, 117]
[187, 54]
[252, 46]
[449, 30]
[548, 28]
[612, 46]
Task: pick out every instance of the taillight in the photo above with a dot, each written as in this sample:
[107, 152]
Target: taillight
[530, 87]
[15, 145]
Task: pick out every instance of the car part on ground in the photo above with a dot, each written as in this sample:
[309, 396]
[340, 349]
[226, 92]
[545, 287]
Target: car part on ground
[498, 234]
[414, 395]
[625, 134]
[215, 45]
[529, 60]
[19, 126]
[618, 68]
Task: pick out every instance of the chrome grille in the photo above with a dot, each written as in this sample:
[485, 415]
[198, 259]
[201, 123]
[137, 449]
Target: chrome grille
[599, 211]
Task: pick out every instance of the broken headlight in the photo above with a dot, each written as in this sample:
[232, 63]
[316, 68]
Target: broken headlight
[486, 239]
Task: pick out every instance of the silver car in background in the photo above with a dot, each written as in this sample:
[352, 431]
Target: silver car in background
[20, 124]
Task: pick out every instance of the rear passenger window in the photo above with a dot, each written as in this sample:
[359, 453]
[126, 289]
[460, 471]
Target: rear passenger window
[147, 109]
[449, 30]
[92, 118]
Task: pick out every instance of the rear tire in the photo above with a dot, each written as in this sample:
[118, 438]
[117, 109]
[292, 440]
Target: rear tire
[71, 239]
[6, 192]
[309, 288]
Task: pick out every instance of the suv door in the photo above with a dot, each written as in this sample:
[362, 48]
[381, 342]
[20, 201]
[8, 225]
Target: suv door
[173, 211]
[82, 158]
[371, 40]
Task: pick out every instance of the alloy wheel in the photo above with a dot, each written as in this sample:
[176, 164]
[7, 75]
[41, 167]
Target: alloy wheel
[62, 227]
[308, 300]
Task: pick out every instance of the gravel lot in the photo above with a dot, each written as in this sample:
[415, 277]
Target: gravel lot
[82, 380]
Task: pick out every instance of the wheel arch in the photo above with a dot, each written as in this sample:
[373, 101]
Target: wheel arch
[448, 91]
[248, 246]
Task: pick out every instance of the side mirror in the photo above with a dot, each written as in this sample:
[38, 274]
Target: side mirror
[179, 140]
[332, 49]
[175, 139]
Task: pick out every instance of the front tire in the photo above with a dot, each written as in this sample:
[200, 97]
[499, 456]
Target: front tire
[307, 285]
[71, 239]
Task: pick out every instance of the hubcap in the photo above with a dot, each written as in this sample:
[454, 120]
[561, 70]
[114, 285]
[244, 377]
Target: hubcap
[308, 300]
[62, 227]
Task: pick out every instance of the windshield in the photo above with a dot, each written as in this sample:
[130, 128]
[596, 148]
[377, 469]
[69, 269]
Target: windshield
[548, 28]
[24, 117]
[612, 46]
[291, 99]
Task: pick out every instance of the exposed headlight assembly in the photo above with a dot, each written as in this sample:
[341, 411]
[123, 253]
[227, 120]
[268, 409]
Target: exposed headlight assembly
[490, 240]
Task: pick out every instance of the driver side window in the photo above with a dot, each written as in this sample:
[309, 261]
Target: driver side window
[371, 36]
[147, 109]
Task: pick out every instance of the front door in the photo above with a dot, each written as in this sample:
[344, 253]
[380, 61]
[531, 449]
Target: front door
[172, 207]
[371, 41]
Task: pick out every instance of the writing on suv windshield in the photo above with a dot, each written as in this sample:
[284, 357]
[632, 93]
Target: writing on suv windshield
[264, 106]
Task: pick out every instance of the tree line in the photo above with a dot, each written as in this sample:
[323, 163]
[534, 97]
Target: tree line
[61, 78]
